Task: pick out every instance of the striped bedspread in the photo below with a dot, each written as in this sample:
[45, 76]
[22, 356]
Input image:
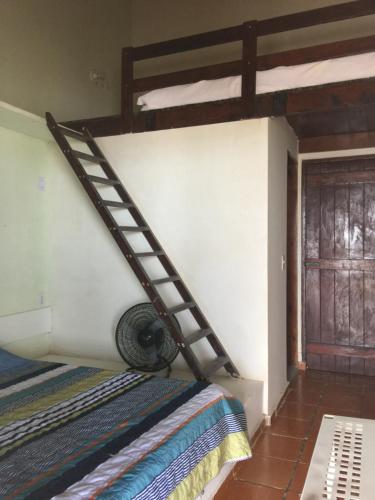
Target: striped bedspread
[80, 433]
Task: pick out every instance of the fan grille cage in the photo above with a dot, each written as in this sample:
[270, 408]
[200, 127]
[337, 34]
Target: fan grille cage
[131, 323]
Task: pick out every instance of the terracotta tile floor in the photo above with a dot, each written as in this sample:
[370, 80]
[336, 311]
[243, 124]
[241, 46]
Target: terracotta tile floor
[282, 452]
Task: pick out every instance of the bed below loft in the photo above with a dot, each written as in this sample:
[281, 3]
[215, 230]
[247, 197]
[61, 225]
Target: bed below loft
[80, 432]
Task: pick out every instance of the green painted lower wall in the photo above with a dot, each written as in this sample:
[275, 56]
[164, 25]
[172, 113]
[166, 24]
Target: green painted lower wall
[24, 222]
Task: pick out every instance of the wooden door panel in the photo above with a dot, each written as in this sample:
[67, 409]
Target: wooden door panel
[313, 360]
[342, 222]
[312, 311]
[369, 221]
[327, 309]
[327, 362]
[342, 364]
[356, 299]
[339, 266]
[342, 307]
[369, 301]
[327, 224]
[312, 242]
[357, 366]
[356, 221]
[370, 367]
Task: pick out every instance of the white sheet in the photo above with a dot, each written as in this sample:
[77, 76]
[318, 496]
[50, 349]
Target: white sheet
[272, 80]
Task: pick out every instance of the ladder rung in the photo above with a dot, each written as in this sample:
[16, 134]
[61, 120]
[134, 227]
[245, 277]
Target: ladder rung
[117, 204]
[168, 279]
[215, 365]
[149, 254]
[181, 307]
[103, 180]
[134, 229]
[87, 157]
[73, 133]
[198, 335]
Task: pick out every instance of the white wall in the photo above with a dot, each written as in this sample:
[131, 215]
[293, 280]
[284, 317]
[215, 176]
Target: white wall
[25, 258]
[216, 198]
[54, 248]
[281, 141]
[175, 18]
[49, 47]
[203, 191]
[24, 223]
[91, 284]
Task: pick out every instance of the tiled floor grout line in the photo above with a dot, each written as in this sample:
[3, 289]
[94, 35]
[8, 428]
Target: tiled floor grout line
[307, 399]
[303, 446]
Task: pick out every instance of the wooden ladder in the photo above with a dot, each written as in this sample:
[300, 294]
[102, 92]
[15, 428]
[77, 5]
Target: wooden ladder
[134, 259]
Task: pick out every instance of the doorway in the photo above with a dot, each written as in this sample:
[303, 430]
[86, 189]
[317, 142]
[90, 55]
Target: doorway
[338, 264]
[292, 268]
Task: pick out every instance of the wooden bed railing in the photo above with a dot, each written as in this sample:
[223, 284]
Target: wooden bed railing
[247, 33]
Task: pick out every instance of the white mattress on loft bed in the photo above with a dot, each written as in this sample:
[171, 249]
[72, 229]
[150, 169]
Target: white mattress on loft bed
[272, 80]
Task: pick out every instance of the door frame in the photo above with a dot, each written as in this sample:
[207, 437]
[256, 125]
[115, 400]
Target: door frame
[292, 292]
[329, 162]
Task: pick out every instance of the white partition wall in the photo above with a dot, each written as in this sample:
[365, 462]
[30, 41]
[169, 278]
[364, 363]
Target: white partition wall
[204, 192]
[214, 196]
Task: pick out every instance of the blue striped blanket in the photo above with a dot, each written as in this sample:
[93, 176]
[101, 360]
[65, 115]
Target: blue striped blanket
[70, 432]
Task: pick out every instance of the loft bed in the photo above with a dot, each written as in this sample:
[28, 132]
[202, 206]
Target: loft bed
[318, 108]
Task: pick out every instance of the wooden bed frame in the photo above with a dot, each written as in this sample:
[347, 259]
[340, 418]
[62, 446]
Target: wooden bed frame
[334, 109]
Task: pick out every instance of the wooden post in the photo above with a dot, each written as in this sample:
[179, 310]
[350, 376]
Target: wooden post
[127, 78]
[249, 63]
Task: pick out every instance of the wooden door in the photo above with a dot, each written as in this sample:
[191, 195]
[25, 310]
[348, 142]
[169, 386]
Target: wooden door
[339, 265]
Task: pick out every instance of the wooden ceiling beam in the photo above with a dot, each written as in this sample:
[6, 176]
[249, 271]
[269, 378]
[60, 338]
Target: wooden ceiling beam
[337, 142]
[332, 96]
